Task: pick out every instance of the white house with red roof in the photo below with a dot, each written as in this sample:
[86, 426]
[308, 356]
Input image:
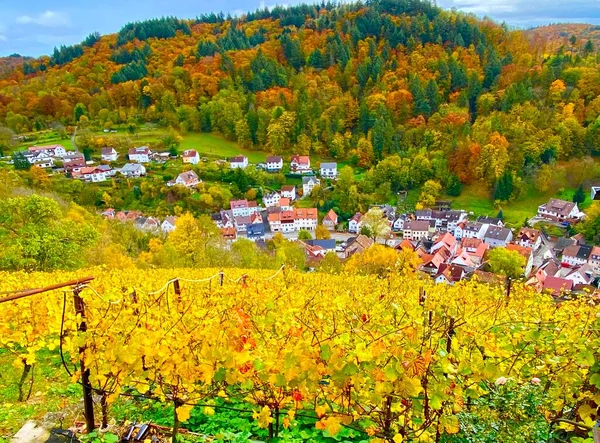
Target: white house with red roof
[289, 191]
[330, 220]
[559, 210]
[306, 218]
[94, 174]
[168, 225]
[190, 156]
[50, 150]
[109, 154]
[300, 164]
[274, 163]
[271, 199]
[355, 223]
[140, 154]
[243, 208]
[238, 162]
[188, 179]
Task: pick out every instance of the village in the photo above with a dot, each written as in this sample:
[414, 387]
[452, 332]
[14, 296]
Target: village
[450, 244]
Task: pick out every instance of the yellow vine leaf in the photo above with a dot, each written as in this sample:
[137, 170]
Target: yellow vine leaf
[333, 426]
[183, 412]
[398, 438]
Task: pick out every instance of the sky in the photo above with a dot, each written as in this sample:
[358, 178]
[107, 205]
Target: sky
[35, 27]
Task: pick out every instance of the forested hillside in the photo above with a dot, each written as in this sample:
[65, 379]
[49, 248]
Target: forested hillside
[445, 95]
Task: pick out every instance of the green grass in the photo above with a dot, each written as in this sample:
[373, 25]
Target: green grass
[475, 198]
[52, 391]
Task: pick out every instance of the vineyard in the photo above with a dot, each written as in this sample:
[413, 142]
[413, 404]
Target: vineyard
[392, 359]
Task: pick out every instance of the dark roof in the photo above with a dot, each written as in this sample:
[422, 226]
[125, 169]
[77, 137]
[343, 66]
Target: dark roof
[497, 233]
[584, 252]
[562, 243]
[325, 244]
[255, 229]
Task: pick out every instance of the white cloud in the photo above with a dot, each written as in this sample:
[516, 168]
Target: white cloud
[3, 38]
[49, 19]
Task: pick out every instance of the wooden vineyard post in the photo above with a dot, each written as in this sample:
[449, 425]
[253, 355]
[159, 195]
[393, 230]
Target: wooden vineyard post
[88, 401]
[450, 335]
[221, 278]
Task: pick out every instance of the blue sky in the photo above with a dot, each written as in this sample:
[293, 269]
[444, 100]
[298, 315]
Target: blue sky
[35, 27]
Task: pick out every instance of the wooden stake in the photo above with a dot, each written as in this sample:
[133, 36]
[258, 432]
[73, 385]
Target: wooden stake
[88, 401]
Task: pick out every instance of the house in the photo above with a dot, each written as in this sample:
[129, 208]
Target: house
[49, 150]
[418, 229]
[274, 220]
[94, 174]
[229, 234]
[133, 170]
[464, 260]
[168, 225]
[241, 222]
[389, 211]
[300, 164]
[595, 193]
[355, 223]
[74, 165]
[356, 245]
[316, 249]
[583, 275]
[140, 155]
[238, 162]
[188, 179]
[529, 238]
[557, 285]
[474, 230]
[405, 244]
[256, 231]
[432, 262]
[450, 274]
[243, 207]
[328, 170]
[398, 224]
[527, 253]
[285, 204]
[308, 183]
[445, 221]
[306, 218]
[559, 210]
[476, 249]
[446, 240]
[325, 245]
[191, 156]
[561, 244]
[271, 199]
[148, 224]
[42, 162]
[288, 221]
[128, 216]
[330, 220]
[109, 154]
[497, 236]
[490, 221]
[576, 255]
[274, 163]
[224, 219]
[594, 259]
[289, 191]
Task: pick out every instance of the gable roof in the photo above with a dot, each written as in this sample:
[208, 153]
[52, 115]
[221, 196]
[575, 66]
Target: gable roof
[188, 177]
[563, 243]
[331, 165]
[325, 244]
[108, 151]
[274, 159]
[561, 207]
[528, 234]
[417, 225]
[356, 217]
[190, 153]
[331, 216]
[557, 285]
[140, 150]
[301, 159]
[489, 220]
[523, 250]
[497, 233]
[306, 213]
[310, 178]
[238, 159]
[238, 204]
[288, 188]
